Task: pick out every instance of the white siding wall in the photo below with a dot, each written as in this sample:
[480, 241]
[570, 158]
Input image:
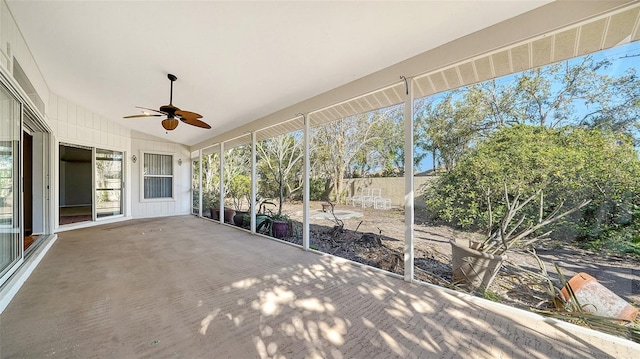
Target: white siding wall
[74, 124]
[12, 44]
[180, 204]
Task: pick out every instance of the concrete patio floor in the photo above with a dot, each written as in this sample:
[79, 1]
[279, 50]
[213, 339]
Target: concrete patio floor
[185, 287]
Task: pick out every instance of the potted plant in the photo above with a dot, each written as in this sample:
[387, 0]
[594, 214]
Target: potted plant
[229, 213]
[275, 225]
[280, 225]
[476, 264]
[238, 219]
[261, 215]
[246, 221]
[210, 203]
[214, 213]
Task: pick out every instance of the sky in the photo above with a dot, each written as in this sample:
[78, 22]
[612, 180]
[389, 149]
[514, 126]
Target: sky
[623, 58]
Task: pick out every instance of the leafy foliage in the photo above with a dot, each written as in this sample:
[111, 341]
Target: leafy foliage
[237, 172]
[570, 164]
[356, 146]
[316, 189]
[450, 124]
[210, 181]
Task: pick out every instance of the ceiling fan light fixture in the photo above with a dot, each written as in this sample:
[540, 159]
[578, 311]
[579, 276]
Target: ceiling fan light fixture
[170, 124]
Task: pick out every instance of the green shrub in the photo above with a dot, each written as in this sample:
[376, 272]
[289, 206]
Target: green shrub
[569, 164]
[316, 189]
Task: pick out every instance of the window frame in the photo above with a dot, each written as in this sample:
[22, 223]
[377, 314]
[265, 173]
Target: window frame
[143, 176]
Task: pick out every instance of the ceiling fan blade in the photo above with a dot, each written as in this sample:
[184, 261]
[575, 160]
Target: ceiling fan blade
[150, 109]
[173, 113]
[188, 114]
[195, 122]
[143, 115]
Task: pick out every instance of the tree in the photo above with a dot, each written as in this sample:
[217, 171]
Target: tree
[237, 172]
[450, 125]
[570, 164]
[280, 159]
[550, 96]
[338, 144]
[210, 180]
[384, 154]
[388, 148]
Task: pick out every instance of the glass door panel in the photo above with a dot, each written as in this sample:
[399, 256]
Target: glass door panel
[195, 187]
[10, 234]
[108, 183]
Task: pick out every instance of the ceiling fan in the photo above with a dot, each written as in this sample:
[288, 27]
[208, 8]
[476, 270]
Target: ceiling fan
[173, 113]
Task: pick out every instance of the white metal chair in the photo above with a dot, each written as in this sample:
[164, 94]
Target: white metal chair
[364, 195]
[353, 198]
[382, 203]
[370, 200]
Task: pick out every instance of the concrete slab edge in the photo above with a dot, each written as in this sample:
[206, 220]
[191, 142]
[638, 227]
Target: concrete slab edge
[73, 226]
[569, 327]
[13, 285]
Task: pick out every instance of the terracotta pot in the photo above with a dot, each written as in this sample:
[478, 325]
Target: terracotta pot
[598, 299]
[228, 215]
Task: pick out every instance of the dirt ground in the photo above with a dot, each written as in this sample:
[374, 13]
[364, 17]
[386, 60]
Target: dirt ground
[432, 252]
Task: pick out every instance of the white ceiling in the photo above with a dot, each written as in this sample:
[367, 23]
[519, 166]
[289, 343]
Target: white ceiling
[235, 61]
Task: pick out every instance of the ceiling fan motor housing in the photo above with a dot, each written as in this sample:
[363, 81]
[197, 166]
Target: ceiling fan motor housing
[170, 110]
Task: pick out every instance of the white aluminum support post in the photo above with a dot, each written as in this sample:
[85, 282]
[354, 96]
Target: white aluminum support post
[200, 183]
[221, 204]
[52, 185]
[253, 205]
[94, 204]
[307, 173]
[408, 181]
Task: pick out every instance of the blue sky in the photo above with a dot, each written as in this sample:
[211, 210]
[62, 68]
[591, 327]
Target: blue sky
[623, 58]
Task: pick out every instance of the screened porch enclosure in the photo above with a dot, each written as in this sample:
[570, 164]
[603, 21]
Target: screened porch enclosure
[384, 172]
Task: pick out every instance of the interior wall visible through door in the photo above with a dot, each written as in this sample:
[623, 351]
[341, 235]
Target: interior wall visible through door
[76, 190]
[27, 173]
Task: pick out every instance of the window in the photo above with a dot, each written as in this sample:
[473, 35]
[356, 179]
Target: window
[158, 176]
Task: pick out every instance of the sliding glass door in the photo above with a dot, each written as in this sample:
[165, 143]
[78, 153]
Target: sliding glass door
[90, 183]
[108, 183]
[10, 194]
